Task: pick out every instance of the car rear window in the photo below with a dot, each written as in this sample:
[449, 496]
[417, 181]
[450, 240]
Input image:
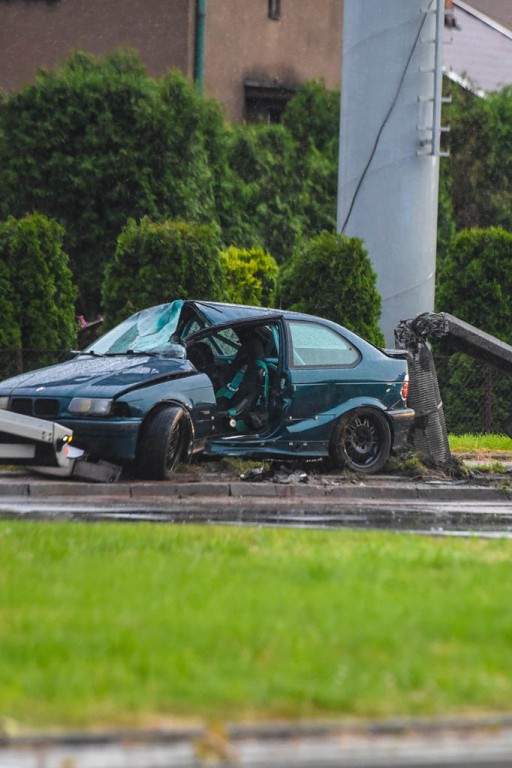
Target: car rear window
[317, 345]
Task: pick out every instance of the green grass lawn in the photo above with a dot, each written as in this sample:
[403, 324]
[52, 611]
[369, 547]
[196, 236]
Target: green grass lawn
[480, 443]
[121, 623]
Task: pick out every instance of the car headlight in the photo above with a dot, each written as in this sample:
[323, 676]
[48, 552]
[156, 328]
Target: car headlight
[90, 406]
[4, 403]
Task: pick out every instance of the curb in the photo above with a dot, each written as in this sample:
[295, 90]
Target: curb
[434, 507]
[279, 729]
[385, 490]
[408, 743]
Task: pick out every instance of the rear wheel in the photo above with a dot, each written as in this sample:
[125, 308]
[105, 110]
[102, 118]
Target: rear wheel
[361, 441]
[163, 443]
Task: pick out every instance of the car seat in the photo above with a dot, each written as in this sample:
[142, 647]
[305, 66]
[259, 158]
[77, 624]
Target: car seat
[201, 356]
[243, 399]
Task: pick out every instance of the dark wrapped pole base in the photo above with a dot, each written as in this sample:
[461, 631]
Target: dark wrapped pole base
[429, 436]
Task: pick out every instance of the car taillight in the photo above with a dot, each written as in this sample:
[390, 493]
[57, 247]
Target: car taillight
[405, 387]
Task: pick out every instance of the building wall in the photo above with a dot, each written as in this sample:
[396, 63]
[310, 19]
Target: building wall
[242, 43]
[40, 34]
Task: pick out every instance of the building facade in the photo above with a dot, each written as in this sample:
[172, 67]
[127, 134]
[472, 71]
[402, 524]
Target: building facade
[254, 53]
[478, 45]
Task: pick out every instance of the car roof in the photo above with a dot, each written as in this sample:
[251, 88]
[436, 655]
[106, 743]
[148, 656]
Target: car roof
[216, 312]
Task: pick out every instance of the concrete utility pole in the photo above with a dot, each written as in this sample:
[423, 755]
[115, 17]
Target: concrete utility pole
[390, 146]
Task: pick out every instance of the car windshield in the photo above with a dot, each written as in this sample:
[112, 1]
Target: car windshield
[148, 331]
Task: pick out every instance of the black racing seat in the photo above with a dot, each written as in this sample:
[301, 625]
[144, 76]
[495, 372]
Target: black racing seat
[201, 356]
[242, 398]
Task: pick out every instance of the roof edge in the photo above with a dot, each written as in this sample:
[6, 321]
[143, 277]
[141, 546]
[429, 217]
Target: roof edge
[464, 82]
[482, 17]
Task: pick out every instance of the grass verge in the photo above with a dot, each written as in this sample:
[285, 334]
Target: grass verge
[480, 443]
[119, 624]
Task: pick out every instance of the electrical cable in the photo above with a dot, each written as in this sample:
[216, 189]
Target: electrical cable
[388, 115]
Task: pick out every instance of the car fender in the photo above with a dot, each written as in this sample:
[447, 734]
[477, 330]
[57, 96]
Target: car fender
[198, 402]
[320, 426]
[359, 402]
[200, 397]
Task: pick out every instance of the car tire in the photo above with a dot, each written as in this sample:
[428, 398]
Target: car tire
[361, 441]
[163, 443]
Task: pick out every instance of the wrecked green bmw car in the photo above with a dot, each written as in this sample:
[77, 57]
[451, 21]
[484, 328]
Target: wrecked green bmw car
[229, 380]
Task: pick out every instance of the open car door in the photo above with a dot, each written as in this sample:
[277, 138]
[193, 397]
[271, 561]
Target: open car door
[243, 359]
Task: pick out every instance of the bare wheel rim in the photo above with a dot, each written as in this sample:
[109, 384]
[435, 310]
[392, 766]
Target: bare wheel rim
[363, 439]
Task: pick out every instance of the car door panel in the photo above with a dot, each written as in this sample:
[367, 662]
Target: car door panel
[322, 373]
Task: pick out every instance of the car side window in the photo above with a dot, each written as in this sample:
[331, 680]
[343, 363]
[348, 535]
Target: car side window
[317, 345]
[225, 342]
[191, 327]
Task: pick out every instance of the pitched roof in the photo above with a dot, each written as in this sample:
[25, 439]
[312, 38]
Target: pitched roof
[498, 10]
[478, 51]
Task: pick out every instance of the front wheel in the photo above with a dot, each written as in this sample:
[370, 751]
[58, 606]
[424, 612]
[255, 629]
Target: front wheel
[163, 443]
[361, 441]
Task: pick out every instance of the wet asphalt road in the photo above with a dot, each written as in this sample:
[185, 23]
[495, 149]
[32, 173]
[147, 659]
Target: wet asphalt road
[438, 518]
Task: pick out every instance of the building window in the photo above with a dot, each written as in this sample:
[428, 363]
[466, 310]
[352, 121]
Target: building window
[449, 15]
[266, 101]
[274, 9]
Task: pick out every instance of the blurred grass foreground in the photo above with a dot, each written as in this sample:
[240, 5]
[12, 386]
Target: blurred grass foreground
[122, 624]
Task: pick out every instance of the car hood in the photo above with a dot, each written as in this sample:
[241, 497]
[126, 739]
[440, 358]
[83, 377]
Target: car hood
[90, 376]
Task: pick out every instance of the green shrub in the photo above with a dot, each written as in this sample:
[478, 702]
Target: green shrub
[268, 189]
[10, 331]
[331, 275]
[480, 161]
[475, 284]
[250, 276]
[313, 118]
[446, 227]
[96, 142]
[156, 262]
[285, 176]
[40, 288]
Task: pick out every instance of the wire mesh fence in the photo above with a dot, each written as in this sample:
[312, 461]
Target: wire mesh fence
[477, 398]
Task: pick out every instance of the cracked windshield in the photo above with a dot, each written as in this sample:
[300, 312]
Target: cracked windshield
[147, 331]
